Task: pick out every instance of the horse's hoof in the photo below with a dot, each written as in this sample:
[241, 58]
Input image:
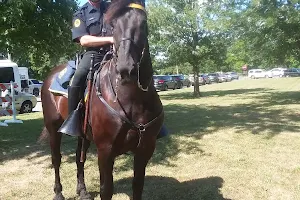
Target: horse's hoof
[84, 195]
[59, 197]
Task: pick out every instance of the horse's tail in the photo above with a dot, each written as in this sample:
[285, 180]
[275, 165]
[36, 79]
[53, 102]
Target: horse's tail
[44, 135]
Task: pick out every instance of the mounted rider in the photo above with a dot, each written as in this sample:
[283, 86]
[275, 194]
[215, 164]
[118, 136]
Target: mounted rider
[90, 31]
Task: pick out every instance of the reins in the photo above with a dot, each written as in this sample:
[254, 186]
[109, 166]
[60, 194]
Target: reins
[140, 127]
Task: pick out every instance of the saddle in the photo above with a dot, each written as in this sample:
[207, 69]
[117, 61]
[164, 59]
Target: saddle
[62, 79]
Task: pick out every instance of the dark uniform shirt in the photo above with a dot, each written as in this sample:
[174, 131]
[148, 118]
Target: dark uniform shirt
[88, 20]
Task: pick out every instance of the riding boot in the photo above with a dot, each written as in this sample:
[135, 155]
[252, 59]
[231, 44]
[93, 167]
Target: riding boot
[73, 124]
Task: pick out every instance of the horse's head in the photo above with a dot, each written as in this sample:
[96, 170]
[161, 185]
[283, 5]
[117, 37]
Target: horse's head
[129, 20]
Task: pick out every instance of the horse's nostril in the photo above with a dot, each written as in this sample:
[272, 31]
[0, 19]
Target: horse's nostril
[124, 74]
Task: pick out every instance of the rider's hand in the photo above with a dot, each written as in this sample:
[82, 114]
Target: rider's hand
[112, 40]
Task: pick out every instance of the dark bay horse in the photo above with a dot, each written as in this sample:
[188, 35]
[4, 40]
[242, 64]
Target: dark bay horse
[126, 116]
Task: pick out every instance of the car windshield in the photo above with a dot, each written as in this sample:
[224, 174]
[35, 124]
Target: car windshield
[6, 75]
[212, 74]
[35, 81]
[160, 77]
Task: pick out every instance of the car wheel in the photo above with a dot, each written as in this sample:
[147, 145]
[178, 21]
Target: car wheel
[179, 86]
[166, 88]
[280, 75]
[26, 107]
[253, 77]
[36, 92]
[266, 76]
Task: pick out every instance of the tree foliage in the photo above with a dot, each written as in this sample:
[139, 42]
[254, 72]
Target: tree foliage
[266, 32]
[37, 32]
[180, 37]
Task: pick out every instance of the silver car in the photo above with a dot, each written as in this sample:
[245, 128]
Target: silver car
[24, 102]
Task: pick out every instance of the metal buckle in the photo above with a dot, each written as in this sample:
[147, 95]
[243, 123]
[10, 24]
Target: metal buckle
[142, 128]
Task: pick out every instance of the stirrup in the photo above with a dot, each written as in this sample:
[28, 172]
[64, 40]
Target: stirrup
[72, 126]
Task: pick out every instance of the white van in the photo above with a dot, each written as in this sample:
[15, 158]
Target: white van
[9, 72]
[31, 86]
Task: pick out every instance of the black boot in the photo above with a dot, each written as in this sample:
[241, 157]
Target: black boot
[73, 124]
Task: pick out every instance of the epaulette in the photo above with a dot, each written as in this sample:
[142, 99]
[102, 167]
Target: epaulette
[81, 9]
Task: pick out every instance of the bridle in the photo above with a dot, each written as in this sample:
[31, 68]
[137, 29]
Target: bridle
[140, 7]
[140, 127]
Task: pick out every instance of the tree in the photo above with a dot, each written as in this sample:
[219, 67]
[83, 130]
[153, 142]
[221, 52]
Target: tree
[37, 32]
[268, 32]
[178, 31]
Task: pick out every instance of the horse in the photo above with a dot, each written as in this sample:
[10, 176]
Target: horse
[126, 113]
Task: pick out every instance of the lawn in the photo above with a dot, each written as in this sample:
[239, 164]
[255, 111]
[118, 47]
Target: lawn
[239, 140]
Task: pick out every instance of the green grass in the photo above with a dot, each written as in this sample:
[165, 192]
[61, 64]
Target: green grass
[239, 140]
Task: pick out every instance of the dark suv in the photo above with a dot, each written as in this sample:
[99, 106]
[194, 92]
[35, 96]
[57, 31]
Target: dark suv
[181, 81]
[214, 77]
[164, 82]
[291, 72]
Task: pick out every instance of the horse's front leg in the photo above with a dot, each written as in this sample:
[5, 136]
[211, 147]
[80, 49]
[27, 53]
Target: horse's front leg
[141, 158]
[106, 163]
[81, 188]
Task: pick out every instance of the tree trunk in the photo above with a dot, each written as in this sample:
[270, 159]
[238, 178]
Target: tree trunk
[196, 82]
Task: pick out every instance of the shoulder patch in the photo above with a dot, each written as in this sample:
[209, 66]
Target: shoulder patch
[77, 23]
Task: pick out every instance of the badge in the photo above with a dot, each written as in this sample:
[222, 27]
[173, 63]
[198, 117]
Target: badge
[77, 23]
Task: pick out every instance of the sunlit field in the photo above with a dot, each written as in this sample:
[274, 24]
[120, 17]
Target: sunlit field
[239, 140]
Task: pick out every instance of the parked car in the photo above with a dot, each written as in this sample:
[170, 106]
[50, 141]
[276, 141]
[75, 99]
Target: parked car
[276, 72]
[31, 86]
[164, 82]
[223, 78]
[24, 102]
[232, 75]
[257, 73]
[214, 77]
[291, 72]
[182, 81]
[205, 78]
[201, 80]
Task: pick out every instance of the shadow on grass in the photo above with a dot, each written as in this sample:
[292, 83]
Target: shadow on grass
[158, 188]
[20, 140]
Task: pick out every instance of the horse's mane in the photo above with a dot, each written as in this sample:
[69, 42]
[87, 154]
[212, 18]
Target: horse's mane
[117, 8]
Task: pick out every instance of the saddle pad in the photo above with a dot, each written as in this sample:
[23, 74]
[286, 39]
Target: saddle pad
[61, 80]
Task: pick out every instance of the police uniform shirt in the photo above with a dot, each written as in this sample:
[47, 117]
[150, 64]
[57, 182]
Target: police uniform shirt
[88, 20]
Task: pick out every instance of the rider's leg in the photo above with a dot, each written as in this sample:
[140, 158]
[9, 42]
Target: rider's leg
[76, 88]
[71, 126]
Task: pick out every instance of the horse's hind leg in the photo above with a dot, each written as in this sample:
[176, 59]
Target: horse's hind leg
[81, 188]
[141, 159]
[55, 141]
